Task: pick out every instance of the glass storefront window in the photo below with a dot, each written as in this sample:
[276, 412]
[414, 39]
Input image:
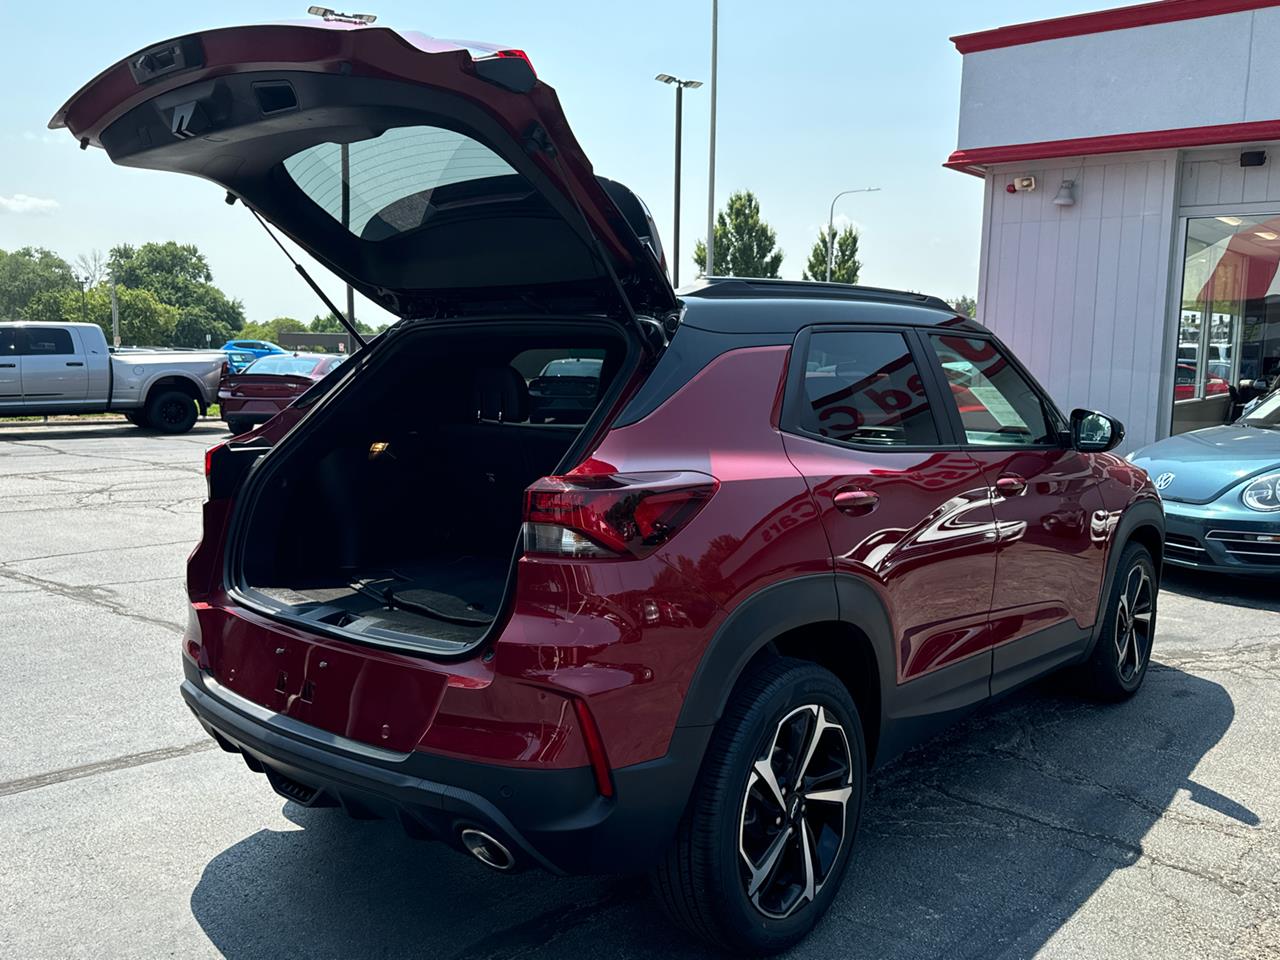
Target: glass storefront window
[1229, 328]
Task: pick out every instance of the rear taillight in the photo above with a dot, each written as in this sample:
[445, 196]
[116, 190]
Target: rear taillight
[611, 515]
[210, 456]
[225, 467]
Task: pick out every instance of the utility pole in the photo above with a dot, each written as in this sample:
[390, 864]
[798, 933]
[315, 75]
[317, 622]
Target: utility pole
[680, 86]
[711, 174]
[115, 315]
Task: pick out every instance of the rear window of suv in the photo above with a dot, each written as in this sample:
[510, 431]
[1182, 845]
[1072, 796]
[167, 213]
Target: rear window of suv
[863, 387]
[391, 176]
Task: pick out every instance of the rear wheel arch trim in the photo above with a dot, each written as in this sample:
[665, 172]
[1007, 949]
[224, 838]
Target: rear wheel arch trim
[774, 611]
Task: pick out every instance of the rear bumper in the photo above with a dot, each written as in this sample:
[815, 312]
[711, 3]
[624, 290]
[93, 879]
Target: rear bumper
[1203, 538]
[552, 818]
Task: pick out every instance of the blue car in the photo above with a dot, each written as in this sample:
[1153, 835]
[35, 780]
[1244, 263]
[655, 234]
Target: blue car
[1221, 492]
[259, 348]
[237, 360]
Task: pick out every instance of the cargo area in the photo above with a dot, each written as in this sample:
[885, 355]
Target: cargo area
[394, 513]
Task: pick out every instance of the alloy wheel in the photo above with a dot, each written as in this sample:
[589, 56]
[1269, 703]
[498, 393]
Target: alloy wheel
[1133, 623]
[794, 815]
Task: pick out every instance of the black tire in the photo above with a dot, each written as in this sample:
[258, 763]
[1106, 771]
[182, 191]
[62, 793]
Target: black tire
[238, 427]
[1119, 661]
[171, 411]
[702, 882]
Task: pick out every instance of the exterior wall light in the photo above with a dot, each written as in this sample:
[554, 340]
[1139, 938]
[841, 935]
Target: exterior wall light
[1066, 194]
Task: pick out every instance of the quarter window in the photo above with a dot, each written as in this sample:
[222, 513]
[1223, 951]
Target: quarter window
[997, 406]
[47, 342]
[863, 387]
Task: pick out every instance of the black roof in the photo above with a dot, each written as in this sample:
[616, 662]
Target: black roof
[741, 305]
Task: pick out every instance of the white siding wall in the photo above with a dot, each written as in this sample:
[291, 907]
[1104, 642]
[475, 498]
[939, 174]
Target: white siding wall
[1189, 73]
[1214, 178]
[1080, 293]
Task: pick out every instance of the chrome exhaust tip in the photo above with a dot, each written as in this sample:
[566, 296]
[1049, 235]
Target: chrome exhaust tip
[488, 850]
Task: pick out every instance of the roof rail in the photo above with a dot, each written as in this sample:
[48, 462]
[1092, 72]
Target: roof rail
[746, 287]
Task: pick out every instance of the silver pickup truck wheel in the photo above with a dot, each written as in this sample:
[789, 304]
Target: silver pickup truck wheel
[171, 411]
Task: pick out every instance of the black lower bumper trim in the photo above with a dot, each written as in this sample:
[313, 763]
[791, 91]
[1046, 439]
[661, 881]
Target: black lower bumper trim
[551, 818]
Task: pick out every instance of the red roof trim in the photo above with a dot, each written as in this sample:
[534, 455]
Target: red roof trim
[972, 161]
[1122, 18]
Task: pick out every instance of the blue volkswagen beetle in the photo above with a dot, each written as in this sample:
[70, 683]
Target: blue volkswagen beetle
[1221, 491]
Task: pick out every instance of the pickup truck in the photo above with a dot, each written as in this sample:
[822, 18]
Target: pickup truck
[58, 368]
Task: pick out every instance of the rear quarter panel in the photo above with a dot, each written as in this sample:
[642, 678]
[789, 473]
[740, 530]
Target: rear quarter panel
[649, 622]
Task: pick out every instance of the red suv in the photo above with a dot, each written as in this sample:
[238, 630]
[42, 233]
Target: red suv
[804, 525]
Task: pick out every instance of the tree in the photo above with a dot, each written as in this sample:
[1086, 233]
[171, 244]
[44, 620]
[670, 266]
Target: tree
[179, 275]
[197, 328]
[91, 268]
[845, 265]
[163, 268]
[27, 273]
[966, 305]
[746, 246]
[271, 330]
[144, 320]
[328, 323]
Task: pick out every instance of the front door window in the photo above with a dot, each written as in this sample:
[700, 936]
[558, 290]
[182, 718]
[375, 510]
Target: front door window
[1228, 349]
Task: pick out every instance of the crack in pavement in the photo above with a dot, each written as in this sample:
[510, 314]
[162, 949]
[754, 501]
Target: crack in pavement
[1137, 856]
[83, 553]
[96, 596]
[39, 780]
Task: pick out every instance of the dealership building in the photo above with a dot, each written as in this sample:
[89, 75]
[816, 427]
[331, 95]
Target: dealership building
[1131, 218]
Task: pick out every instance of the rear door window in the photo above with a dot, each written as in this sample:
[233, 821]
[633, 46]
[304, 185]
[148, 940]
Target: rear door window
[8, 343]
[864, 388]
[997, 405]
[47, 342]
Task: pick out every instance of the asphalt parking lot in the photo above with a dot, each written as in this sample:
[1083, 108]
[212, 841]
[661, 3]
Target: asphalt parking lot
[1043, 826]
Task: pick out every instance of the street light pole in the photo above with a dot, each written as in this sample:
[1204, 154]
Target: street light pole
[680, 86]
[84, 306]
[831, 224]
[711, 174]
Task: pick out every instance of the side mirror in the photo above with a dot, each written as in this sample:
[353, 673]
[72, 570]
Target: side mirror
[1094, 432]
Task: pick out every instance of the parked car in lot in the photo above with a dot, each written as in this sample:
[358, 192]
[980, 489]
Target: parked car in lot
[268, 385]
[674, 638]
[237, 360]
[255, 348]
[1221, 492]
[63, 368]
[566, 391]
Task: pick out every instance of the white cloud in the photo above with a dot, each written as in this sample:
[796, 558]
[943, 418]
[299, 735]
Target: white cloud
[22, 203]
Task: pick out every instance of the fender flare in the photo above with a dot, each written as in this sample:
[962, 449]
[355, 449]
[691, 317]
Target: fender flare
[150, 385]
[771, 612]
[1146, 512]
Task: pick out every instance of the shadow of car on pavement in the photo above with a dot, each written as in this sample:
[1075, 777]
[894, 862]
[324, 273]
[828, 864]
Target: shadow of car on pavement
[980, 843]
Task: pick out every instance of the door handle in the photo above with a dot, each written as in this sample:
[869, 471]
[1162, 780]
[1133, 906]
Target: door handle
[1010, 485]
[856, 501]
[74, 363]
[8, 364]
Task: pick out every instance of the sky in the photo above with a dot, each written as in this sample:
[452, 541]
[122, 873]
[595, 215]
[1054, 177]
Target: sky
[814, 98]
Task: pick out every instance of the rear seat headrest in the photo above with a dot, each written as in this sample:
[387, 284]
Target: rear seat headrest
[501, 394]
